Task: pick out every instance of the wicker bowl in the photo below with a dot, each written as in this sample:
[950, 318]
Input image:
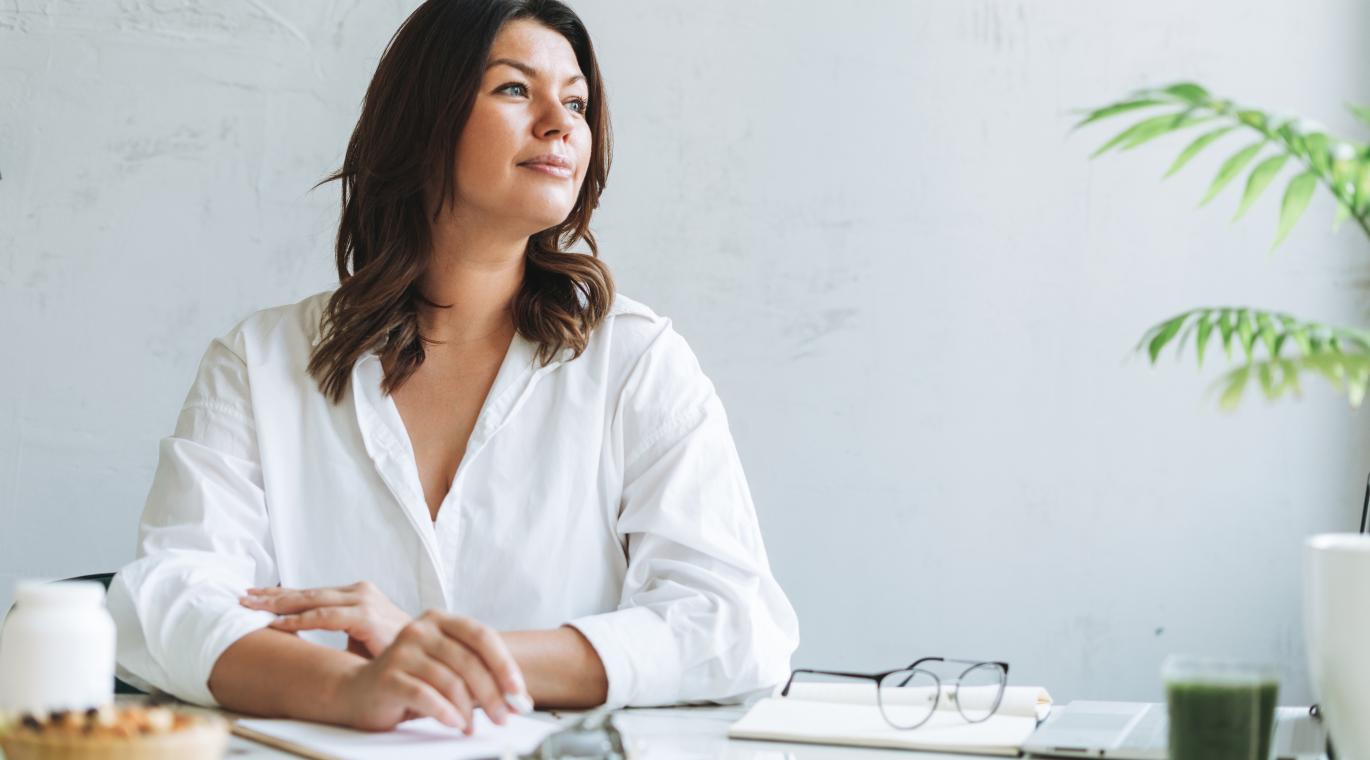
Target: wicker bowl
[197, 736]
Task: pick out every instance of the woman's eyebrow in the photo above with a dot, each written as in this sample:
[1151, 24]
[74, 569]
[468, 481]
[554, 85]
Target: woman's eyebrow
[526, 69]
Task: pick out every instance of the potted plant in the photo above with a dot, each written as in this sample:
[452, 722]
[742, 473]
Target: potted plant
[1274, 350]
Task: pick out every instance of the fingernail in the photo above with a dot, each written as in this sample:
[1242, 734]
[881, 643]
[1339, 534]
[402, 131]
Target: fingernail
[519, 703]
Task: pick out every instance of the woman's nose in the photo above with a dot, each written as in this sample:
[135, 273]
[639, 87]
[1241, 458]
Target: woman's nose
[555, 120]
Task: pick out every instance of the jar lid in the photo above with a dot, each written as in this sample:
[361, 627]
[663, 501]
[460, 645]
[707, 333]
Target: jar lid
[1339, 542]
[60, 593]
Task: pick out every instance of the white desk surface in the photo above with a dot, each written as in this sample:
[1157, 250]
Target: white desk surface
[678, 733]
[683, 733]
[687, 733]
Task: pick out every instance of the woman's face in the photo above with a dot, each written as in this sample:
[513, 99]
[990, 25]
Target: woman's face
[531, 104]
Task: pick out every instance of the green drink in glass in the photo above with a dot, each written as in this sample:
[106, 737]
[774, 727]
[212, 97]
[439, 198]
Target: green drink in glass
[1220, 710]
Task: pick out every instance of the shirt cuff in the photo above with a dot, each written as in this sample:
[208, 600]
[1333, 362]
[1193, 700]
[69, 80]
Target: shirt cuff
[217, 633]
[639, 654]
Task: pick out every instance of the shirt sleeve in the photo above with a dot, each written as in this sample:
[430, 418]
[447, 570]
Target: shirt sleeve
[700, 618]
[202, 541]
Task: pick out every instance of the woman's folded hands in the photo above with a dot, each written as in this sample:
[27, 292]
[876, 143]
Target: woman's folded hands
[436, 665]
[368, 617]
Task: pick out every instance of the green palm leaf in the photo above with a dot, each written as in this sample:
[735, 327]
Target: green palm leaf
[1272, 329]
[1259, 179]
[1360, 112]
[1231, 168]
[1340, 355]
[1117, 108]
[1315, 149]
[1204, 331]
[1296, 196]
[1363, 188]
[1193, 148]
[1345, 173]
[1148, 129]
[1348, 373]
[1276, 349]
[1188, 91]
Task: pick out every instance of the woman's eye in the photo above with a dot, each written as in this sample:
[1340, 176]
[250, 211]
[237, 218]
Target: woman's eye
[581, 104]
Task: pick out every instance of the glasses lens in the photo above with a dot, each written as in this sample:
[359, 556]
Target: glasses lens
[979, 691]
[908, 697]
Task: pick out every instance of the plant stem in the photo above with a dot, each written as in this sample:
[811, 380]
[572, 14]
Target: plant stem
[1365, 226]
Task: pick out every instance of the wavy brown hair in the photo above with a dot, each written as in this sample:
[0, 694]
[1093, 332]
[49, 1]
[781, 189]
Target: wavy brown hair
[412, 115]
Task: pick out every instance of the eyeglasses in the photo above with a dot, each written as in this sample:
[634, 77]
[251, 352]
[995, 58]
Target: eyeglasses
[908, 697]
[592, 737]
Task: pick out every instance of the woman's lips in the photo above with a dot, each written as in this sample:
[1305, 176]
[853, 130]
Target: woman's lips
[548, 169]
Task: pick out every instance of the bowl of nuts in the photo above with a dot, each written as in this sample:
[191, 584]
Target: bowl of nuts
[148, 731]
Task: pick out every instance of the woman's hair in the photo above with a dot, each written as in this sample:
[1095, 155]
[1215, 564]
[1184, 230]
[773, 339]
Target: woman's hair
[405, 140]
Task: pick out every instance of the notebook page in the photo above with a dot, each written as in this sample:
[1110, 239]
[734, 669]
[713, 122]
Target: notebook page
[422, 739]
[1018, 700]
[784, 719]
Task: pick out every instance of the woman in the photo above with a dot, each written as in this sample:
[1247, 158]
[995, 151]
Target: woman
[472, 424]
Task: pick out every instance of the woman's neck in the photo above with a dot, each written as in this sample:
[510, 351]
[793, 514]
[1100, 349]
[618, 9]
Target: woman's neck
[479, 276]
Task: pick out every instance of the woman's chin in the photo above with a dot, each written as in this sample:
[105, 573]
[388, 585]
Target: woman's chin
[533, 212]
[548, 218]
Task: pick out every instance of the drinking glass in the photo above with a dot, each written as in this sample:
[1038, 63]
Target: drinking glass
[1219, 709]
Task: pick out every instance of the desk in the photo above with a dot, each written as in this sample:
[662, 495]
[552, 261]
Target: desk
[677, 733]
[688, 733]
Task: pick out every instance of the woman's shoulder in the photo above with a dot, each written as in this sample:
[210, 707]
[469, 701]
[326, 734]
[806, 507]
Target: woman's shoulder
[632, 327]
[289, 328]
[639, 339]
[634, 314]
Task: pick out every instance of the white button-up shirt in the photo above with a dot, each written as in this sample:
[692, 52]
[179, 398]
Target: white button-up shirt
[603, 492]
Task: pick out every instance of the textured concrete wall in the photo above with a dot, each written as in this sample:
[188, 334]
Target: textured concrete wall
[915, 293]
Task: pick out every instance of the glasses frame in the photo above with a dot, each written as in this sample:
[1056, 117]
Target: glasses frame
[937, 694]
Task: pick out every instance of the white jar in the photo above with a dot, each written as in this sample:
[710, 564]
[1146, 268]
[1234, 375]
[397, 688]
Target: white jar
[57, 648]
[1336, 627]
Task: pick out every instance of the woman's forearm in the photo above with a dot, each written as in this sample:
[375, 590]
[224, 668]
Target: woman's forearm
[560, 667]
[275, 674]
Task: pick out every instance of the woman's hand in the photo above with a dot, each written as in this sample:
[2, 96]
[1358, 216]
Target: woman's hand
[441, 666]
[369, 618]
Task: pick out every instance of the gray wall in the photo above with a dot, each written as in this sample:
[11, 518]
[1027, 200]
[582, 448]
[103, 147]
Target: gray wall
[915, 293]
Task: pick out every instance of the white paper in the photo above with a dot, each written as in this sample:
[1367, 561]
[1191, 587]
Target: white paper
[846, 714]
[1017, 700]
[422, 739]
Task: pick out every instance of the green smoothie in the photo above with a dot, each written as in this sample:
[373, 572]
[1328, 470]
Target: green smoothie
[1221, 719]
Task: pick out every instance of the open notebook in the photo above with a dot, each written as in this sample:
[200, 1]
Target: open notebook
[420, 739]
[829, 713]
